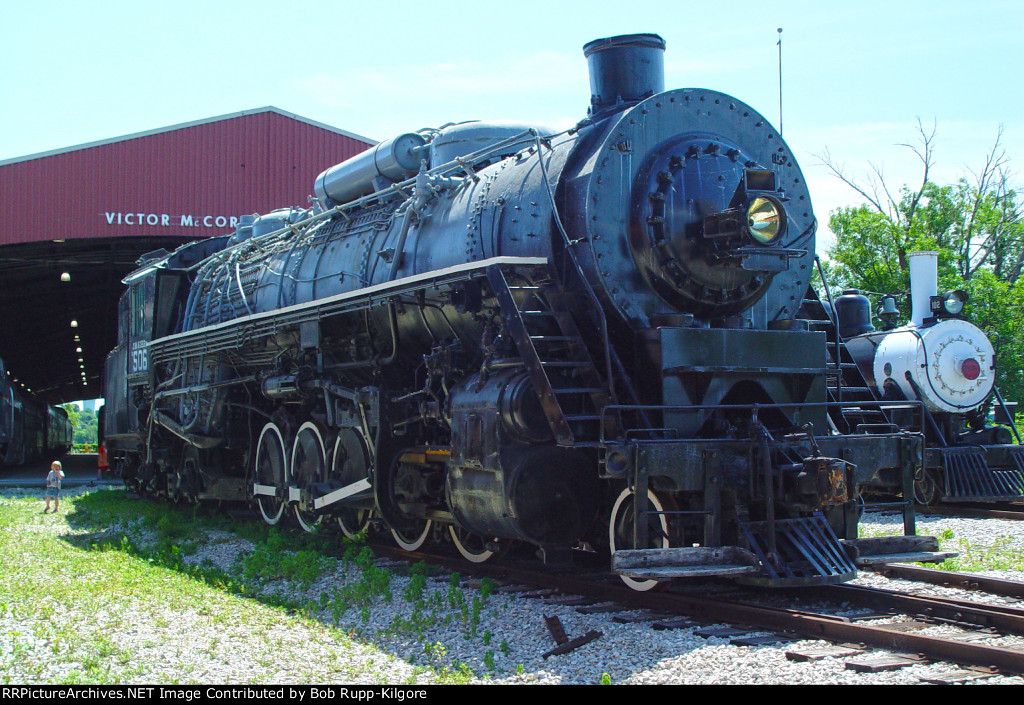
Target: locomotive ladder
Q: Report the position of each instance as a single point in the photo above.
(844, 380)
(570, 387)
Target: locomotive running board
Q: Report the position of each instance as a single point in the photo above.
(227, 335)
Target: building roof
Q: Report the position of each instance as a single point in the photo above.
(184, 125)
(91, 210)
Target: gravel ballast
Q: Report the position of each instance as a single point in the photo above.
(414, 631)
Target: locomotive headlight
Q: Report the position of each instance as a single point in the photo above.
(765, 220)
(954, 302)
(949, 304)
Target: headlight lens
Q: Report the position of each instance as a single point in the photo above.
(954, 302)
(764, 220)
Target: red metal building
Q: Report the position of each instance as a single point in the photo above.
(74, 221)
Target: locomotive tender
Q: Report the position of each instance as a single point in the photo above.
(499, 335)
(29, 430)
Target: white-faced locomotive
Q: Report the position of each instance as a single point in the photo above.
(493, 334)
(949, 365)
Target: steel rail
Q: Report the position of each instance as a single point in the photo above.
(964, 581)
(960, 510)
(1007, 619)
(809, 624)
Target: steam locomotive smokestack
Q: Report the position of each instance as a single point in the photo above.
(924, 284)
(624, 70)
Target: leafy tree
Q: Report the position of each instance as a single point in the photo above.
(72, 412)
(976, 226)
(87, 429)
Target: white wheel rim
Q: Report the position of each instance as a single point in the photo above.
(306, 428)
(415, 544)
(274, 516)
(364, 515)
(465, 552)
(638, 585)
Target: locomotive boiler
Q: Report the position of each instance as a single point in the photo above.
(497, 335)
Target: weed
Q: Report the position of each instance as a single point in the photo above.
(414, 590)
(1001, 554)
(272, 560)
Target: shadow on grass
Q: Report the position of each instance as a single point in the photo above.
(281, 568)
(428, 606)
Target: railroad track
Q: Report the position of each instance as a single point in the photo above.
(1003, 510)
(963, 581)
(980, 640)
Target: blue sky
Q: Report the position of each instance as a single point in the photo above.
(857, 76)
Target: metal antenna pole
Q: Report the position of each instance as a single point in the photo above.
(780, 81)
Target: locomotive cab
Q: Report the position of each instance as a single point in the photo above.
(151, 308)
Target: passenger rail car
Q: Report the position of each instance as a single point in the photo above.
(497, 334)
(29, 430)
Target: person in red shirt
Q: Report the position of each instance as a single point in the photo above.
(102, 466)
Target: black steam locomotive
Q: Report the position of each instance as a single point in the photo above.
(597, 339)
(29, 430)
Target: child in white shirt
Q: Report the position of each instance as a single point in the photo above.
(53, 479)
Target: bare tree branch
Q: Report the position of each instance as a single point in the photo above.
(924, 153)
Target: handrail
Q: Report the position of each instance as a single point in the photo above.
(833, 317)
(596, 303)
(910, 404)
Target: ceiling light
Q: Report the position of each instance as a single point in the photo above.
(74, 323)
(65, 277)
(78, 349)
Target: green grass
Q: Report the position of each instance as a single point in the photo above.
(998, 554)
(75, 581)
